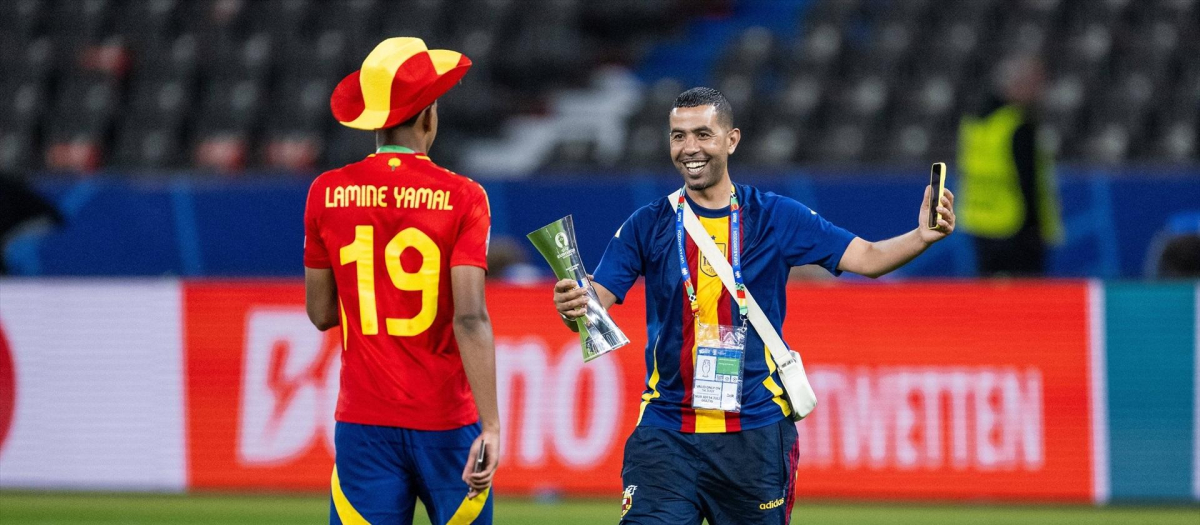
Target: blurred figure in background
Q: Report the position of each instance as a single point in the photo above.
(395, 249)
(22, 211)
(1010, 203)
(1175, 250)
(1180, 258)
(509, 262)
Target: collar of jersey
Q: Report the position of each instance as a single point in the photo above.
(708, 213)
(393, 149)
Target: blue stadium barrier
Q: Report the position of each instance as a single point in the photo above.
(204, 227)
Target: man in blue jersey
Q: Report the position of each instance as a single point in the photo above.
(689, 460)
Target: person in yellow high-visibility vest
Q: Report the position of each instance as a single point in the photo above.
(1009, 199)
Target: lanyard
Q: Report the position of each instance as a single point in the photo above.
(735, 240)
(393, 149)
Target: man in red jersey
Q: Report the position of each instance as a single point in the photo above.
(395, 249)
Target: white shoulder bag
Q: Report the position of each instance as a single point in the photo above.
(791, 370)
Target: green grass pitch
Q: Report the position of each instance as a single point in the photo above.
(52, 508)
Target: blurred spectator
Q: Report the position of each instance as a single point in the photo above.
(507, 260)
(1009, 199)
(22, 211)
(1180, 258)
(1174, 251)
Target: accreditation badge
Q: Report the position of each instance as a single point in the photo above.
(719, 370)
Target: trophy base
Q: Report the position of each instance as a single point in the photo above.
(592, 353)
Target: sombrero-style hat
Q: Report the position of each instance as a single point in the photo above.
(398, 79)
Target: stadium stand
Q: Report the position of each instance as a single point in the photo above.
(233, 85)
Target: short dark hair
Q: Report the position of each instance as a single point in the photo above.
(706, 96)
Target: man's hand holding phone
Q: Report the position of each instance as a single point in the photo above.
(482, 462)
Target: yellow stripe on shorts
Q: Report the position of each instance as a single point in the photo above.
(470, 509)
(346, 512)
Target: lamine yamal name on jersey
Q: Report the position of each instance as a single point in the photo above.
(370, 196)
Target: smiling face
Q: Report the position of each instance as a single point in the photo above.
(701, 145)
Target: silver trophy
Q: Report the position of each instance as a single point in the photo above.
(598, 334)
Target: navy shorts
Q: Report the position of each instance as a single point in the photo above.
(745, 477)
(380, 472)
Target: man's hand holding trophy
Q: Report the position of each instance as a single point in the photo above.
(598, 334)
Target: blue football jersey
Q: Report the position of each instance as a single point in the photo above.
(777, 233)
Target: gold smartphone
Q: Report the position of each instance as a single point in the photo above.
(937, 181)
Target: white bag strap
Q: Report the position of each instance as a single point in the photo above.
(791, 368)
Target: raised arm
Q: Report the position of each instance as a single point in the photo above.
(473, 332)
(875, 259)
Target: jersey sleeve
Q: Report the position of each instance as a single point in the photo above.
(475, 230)
(810, 239)
(315, 254)
(621, 263)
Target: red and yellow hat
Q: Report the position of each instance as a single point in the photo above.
(398, 79)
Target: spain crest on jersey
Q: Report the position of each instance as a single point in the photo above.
(627, 499)
(706, 267)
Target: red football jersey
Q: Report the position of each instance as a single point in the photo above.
(390, 227)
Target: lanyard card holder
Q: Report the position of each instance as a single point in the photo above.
(720, 367)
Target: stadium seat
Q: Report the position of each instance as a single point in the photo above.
(323, 56)
(292, 151)
(862, 98)
(543, 50)
(229, 57)
(474, 105)
(572, 154)
(75, 24)
(24, 105)
(621, 18)
(18, 148)
(222, 150)
(148, 144)
(1106, 144)
(800, 98)
(655, 103)
(299, 104)
(157, 99)
(1177, 142)
(80, 153)
(774, 145)
(841, 143)
(927, 98)
(22, 19)
(749, 55)
(177, 58)
(279, 17)
(1061, 106)
(833, 12)
(347, 16)
(148, 23)
(742, 92)
(906, 143)
(85, 96)
(232, 103)
(419, 18)
(814, 55)
(890, 44)
(948, 54)
(646, 146)
(34, 61)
